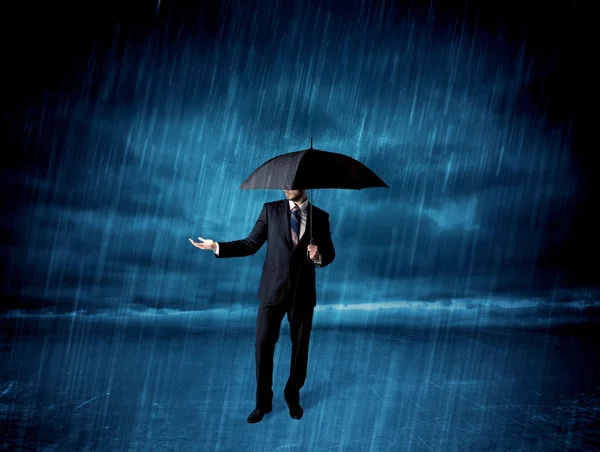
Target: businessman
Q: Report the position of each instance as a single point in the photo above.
(287, 286)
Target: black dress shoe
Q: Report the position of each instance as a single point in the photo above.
(257, 415)
(295, 410)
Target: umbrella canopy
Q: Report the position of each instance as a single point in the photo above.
(312, 168)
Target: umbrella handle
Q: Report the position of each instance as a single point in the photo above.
(312, 240)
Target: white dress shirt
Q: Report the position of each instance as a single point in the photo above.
(303, 216)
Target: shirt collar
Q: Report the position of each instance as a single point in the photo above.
(302, 206)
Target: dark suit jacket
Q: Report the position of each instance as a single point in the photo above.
(287, 272)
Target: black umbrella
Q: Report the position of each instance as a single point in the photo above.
(312, 168)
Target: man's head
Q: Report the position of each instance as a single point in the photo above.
(298, 196)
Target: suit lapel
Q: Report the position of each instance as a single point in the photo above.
(285, 221)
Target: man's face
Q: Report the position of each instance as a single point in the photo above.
(294, 195)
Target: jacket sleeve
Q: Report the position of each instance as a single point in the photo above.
(326, 249)
(249, 245)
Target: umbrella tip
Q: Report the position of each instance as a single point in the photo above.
(311, 142)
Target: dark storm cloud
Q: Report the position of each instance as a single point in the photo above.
(157, 153)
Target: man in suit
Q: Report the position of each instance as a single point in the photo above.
(287, 286)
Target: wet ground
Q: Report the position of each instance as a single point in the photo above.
(148, 384)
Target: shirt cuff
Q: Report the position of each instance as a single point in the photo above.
(319, 260)
(217, 250)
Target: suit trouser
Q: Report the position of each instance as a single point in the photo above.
(268, 323)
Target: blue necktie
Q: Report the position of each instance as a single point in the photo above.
(295, 223)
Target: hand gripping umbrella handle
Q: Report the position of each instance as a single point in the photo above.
(312, 242)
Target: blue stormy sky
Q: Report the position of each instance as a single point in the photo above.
(149, 143)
